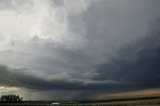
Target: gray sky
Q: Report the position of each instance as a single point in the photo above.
(52, 47)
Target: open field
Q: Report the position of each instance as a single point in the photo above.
(148, 101)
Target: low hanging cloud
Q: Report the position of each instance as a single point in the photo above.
(10, 77)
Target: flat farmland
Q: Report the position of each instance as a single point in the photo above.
(114, 102)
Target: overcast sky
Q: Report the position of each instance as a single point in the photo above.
(84, 49)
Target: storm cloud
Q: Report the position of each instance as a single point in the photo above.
(10, 77)
(79, 46)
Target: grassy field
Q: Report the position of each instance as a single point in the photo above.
(149, 101)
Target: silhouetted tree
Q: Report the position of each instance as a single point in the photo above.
(11, 98)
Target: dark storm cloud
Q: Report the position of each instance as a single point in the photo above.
(137, 62)
(87, 45)
(8, 77)
(121, 36)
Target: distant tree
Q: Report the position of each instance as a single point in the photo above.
(11, 98)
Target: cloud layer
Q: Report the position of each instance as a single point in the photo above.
(79, 46)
